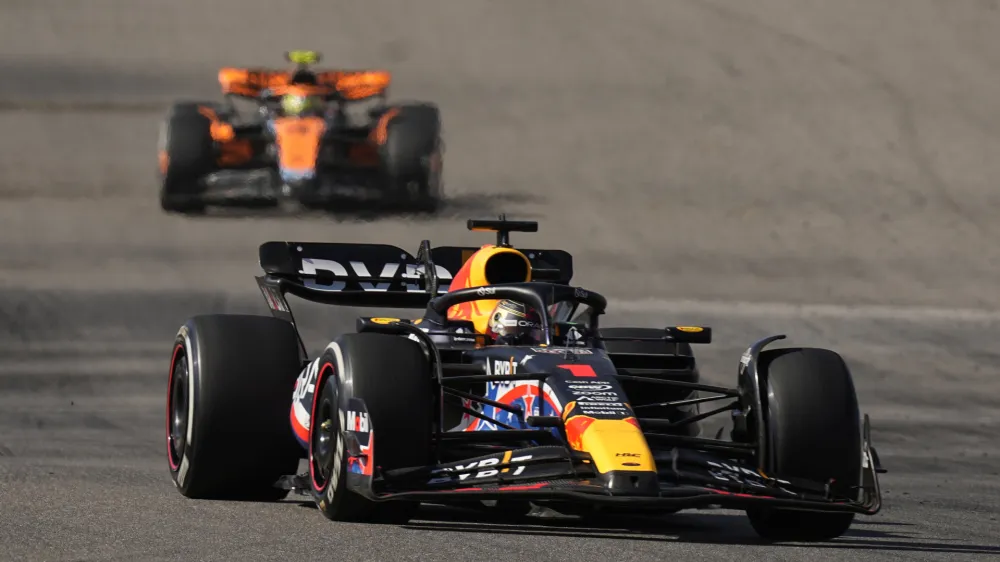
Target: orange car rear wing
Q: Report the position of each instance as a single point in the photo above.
(359, 85)
(247, 82)
(348, 85)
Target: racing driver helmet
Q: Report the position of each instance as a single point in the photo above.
(514, 323)
(297, 105)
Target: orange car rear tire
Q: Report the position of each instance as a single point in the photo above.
(412, 156)
(186, 155)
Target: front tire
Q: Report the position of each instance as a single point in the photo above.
(813, 432)
(392, 376)
(228, 394)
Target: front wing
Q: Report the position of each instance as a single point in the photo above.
(235, 185)
(685, 479)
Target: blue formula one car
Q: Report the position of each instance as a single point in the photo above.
(504, 392)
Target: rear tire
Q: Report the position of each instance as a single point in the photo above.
(392, 376)
(814, 432)
(412, 157)
(230, 438)
(187, 155)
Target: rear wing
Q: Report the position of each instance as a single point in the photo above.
(351, 85)
(378, 275)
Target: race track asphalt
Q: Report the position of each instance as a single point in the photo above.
(822, 169)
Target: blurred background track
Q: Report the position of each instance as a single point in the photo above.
(782, 151)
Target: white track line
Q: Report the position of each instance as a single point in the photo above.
(786, 310)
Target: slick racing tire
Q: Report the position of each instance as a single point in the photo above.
(641, 393)
(187, 154)
(813, 431)
(392, 376)
(228, 397)
(412, 157)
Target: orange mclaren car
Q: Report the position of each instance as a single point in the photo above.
(303, 143)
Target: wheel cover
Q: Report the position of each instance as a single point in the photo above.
(177, 420)
(322, 442)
